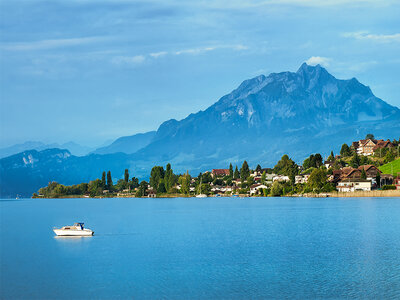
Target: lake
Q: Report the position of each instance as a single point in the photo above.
(191, 248)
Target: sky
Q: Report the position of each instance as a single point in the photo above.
(92, 71)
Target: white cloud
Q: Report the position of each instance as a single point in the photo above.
(365, 35)
(138, 59)
(128, 60)
(238, 47)
(158, 54)
(318, 60)
(48, 44)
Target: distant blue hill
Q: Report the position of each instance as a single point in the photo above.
(265, 117)
(127, 144)
(74, 148)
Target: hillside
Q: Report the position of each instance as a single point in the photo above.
(391, 168)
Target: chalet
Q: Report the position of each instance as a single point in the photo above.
(352, 173)
(370, 170)
(354, 184)
(368, 146)
(256, 187)
(383, 144)
(365, 147)
(219, 172)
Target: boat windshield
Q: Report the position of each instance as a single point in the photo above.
(79, 225)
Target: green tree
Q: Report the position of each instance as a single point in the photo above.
(286, 166)
(236, 174)
(244, 171)
(363, 174)
(317, 160)
(258, 168)
(95, 188)
(230, 171)
(168, 178)
(126, 175)
(317, 179)
(345, 150)
(250, 181)
(103, 179)
(263, 177)
(134, 183)
(157, 173)
(276, 189)
(109, 180)
(369, 136)
(161, 187)
(184, 181)
(331, 157)
(355, 161)
(142, 190)
(378, 180)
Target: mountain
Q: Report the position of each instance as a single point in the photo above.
(127, 144)
(74, 148)
(298, 113)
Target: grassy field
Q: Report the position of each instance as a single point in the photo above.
(391, 168)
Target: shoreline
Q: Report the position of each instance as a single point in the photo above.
(357, 194)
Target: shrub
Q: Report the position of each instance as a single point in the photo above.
(388, 187)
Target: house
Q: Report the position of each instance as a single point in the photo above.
(383, 144)
(351, 173)
(368, 146)
(370, 170)
(237, 181)
(354, 184)
(256, 187)
(219, 172)
(386, 179)
(151, 194)
(280, 178)
(301, 179)
(328, 164)
(397, 182)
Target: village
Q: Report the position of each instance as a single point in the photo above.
(366, 165)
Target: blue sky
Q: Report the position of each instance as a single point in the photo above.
(92, 71)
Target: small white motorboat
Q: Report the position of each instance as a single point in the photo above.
(75, 230)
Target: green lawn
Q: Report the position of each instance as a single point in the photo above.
(391, 168)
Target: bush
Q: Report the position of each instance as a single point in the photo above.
(388, 187)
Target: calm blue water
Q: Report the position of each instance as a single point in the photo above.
(228, 248)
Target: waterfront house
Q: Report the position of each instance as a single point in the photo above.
(254, 189)
(397, 182)
(151, 194)
(386, 179)
(354, 184)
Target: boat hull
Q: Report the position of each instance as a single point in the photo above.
(85, 232)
